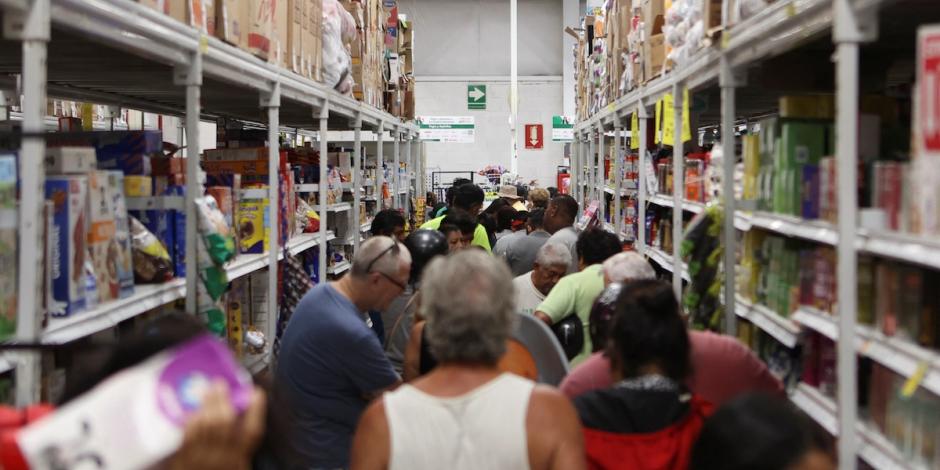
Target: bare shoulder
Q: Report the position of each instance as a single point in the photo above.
(554, 431)
(371, 447)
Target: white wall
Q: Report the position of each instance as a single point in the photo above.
(539, 100)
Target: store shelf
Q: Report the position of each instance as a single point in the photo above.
(667, 201)
(338, 268)
(146, 297)
(789, 226)
(339, 207)
(6, 365)
(901, 247)
(623, 192)
(897, 354)
(366, 227)
(664, 260)
(782, 329)
(874, 448)
(306, 188)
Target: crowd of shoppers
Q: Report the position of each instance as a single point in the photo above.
(460, 372)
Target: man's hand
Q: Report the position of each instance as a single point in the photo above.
(216, 438)
(545, 318)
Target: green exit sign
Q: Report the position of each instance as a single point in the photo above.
(476, 96)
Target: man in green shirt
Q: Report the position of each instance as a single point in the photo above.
(467, 198)
(575, 293)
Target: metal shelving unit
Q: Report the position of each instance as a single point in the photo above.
(121, 53)
(721, 68)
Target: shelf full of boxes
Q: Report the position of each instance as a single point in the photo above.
(263, 88)
(782, 233)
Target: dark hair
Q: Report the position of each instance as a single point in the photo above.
(553, 192)
(756, 431)
(495, 206)
(460, 219)
(467, 195)
(452, 190)
(596, 245)
(385, 222)
(567, 207)
(647, 329)
(536, 218)
(504, 218)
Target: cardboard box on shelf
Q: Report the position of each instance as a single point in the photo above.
(281, 56)
(295, 34)
(119, 250)
(260, 27)
(231, 20)
(313, 39)
(654, 56)
(711, 14)
(69, 160)
(67, 241)
(199, 14)
(101, 233)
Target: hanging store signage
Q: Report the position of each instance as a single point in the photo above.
(476, 96)
(447, 129)
(562, 129)
(533, 137)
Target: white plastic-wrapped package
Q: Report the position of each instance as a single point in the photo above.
(339, 28)
(683, 30)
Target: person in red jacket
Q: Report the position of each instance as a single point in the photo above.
(647, 420)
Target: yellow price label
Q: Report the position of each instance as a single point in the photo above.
(669, 120)
(203, 44)
(610, 107)
(725, 39)
(686, 124)
(88, 117)
(914, 380)
(634, 131)
(791, 10)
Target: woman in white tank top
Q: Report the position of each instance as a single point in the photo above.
(465, 414)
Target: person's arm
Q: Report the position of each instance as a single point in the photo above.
(556, 441)
(480, 238)
(412, 364)
(559, 303)
(216, 438)
(369, 369)
(371, 445)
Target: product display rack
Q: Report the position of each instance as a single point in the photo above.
(784, 26)
(121, 53)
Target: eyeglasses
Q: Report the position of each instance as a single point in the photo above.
(392, 249)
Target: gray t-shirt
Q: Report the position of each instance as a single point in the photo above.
(568, 236)
(329, 360)
(503, 243)
(398, 319)
(521, 253)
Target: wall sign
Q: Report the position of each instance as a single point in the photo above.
(447, 129)
(533, 137)
(562, 129)
(476, 96)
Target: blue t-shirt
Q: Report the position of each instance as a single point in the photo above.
(328, 360)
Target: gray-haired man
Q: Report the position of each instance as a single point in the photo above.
(551, 263)
(331, 364)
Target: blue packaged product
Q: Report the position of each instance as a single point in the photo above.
(67, 238)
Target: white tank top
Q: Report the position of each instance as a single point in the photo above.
(482, 429)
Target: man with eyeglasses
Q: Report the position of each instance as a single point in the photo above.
(330, 363)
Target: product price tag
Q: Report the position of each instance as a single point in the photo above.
(791, 10)
(914, 380)
(634, 131)
(669, 120)
(203, 44)
(686, 125)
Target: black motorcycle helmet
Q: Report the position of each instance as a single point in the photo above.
(602, 313)
(423, 246)
(570, 334)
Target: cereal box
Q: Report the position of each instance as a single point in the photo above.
(119, 251)
(67, 240)
(253, 225)
(101, 234)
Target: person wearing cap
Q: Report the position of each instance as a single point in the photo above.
(511, 194)
(468, 198)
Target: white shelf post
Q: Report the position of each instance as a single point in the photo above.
(324, 217)
(678, 189)
(396, 166)
(600, 177)
(643, 118)
(357, 179)
(380, 167)
(590, 160)
(190, 76)
(32, 27)
(849, 29)
(409, 170)
(618, 175)
(271, 101)
(728, 82)
(573, 165)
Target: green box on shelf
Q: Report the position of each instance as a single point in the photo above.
(801, 143)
